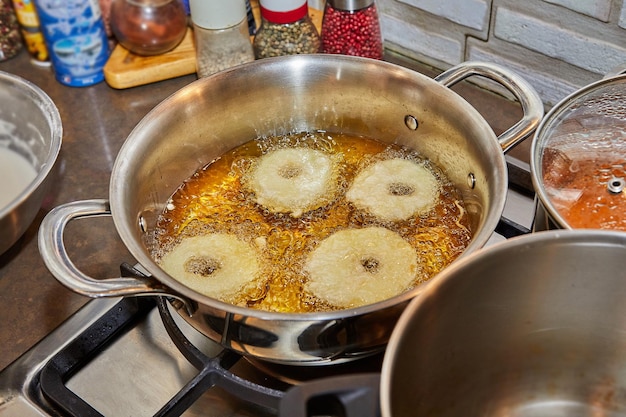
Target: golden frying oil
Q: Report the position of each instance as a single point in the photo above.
(215, 199)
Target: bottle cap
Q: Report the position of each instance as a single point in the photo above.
(283, 11)
(217, 14)
(350, 5)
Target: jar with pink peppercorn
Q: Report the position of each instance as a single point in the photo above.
(351, 27)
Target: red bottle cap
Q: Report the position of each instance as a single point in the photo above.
(277, 11)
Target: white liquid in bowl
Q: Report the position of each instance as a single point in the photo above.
(16, 173)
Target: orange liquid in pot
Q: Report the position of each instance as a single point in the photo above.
(216, 200)
(578, 189)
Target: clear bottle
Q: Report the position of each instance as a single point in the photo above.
(286, 29)
(351, 27)
(221, 35)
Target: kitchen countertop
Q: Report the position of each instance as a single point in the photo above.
(96, 120)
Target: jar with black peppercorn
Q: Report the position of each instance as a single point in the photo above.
(351, 27)
(286, 29)
(10, 37)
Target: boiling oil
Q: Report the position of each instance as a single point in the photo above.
(216, 200)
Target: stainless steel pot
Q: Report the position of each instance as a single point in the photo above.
(533, 326)
(30, 125)
(578, 159)
(277, 96)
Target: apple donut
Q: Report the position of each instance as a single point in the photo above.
(356, 267)
(218, 265)
(394, 189)
(294, 180)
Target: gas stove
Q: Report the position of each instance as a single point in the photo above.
(133, 357)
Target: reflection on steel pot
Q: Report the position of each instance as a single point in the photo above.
(578, 160)
(298, 93)
(30, 140)
(533, 326)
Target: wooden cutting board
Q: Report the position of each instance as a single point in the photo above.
(125, 69)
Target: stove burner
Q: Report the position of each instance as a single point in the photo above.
(341, 390)
(213, 371)
(347, 395)
(298, 375)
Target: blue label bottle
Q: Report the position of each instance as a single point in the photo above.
(76, 39)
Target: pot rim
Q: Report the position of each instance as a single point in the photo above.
(481, 236)
(540, 137)
(54, 118)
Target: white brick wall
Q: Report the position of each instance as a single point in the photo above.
(558, 45)
(549, 38)
(622, 17)
(470, 13)
(428, 44)
(595, 8)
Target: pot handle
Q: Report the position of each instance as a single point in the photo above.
(530, 101)
(56, 258)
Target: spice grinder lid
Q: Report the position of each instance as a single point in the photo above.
(217, 14)
(283, 11)
(350, 5)
(578, 158)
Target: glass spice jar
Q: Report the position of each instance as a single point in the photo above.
(221, 35)
(351, 27)
(10, 37)
(148, 27)
(286, 29)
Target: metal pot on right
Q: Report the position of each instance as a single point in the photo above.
(578, 160)
(532, 326)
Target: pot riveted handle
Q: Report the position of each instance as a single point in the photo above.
(530, 101)
(56, 258)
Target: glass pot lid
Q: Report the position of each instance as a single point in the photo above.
(578, 158)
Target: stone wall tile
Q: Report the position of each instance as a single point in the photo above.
(416, 39)
(598, 9)
(550, 39)
(471, 13)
